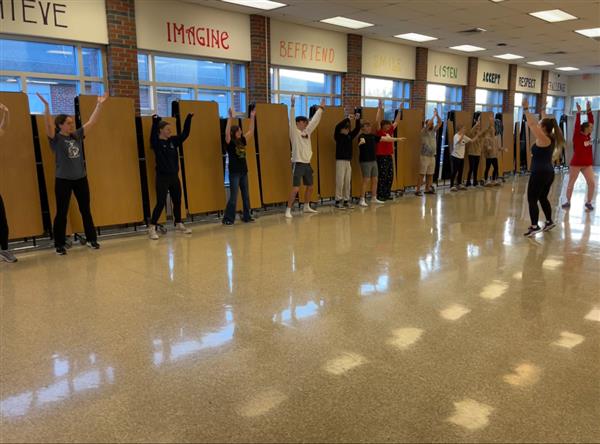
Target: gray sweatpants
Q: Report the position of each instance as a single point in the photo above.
(343, 179)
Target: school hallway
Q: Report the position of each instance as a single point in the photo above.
(422, 320)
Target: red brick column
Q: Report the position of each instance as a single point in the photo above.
(121, 53)
(258, 68)
(508, 102)
(352, 79)
(419, 92)
(540, 107)
(469, 91)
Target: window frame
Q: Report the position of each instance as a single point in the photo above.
(490, 107)
(397, 102)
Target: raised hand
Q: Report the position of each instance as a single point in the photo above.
(293, 100)
(588, 106)
(44, 101)
(357, 116)
(578, 107)
(230, 113)
(351, 116)
(525, 104)
(253, 114)
(323, 102)
(380, 103)
(102, 98)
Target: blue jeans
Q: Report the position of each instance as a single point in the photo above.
(237, 180)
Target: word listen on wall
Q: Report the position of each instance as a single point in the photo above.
(527, 82)
(491, 77)
(306, 52)
(33, 11)
(197, 36)
(445, 72)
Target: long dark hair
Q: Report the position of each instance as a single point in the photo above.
(232, 132)
(550, 125)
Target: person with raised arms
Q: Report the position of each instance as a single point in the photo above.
(385, 154)
(5, 254)
(343, 137)
(428, 153)
(458, 158)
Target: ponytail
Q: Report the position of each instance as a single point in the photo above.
(551, 127)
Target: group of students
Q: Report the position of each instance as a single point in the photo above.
(375, 142)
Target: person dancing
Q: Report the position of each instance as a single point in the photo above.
(5, 254)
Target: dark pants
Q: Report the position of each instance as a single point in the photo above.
(385, 167)
(62, 191)
(473, 169)
(491, 163)
(537, 191)
(167, 183)
(3, 227)
(237, 181)
(457, 171)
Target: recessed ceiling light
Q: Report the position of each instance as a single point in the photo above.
(347, 22)
(591, 32)
(265, 5)
(540, 63)
(496, 1)
(413, 36)
(553, 15)
(508, 56)
(467, 48)
(568, 68)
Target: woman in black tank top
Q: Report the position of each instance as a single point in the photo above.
(547, 137)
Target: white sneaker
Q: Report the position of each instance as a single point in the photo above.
(453, 189)
(308, 209)
(363, 203)
(182, 228)
(377, 201)
(288, 213)
(7, 256)
(152, 234)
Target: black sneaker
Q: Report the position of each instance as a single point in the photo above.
(61, 251)
(227, 222)
(549, 225)
(589, 206)
(532, 231)
(348, 205)
(566, 205)
(338, 205)
(94, 245)
(430, 191)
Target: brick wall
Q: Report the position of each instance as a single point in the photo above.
(508, 105)
(258, 68)
(540, 107)
(419, 92)
(121, 53)
(468, 103)
(352, 79)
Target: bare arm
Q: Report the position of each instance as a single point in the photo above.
(4, 121)
(588, 107)
(439, 121)
(50, 128)
(388, 138)
(541, 139)
(250, 132)
(94, 117)
(292, 116)
(396, 120)
(379, 115)
(228, 127)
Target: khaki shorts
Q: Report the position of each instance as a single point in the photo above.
(427, 165)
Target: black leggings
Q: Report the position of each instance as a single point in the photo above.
(62, 191)
(457, 171)
(473, 169)
(3, 227)
(385, 167)
(537, 191)
(489, 163)
(167, 183)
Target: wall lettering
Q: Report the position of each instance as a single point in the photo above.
(47, 13)
(445, 72)
(491, 77)
(306, 52)
(557, 87)
(527, 82)
(197, 36)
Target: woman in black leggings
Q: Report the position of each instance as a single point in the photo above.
(548, 136)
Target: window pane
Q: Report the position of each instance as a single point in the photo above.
(239, 75)
(60, 94)
(166, 95)
(337, 101)
(10, 83)
(146, 100)
(94, 88)
(221, 97)
(337, 89)
(143, 67)
(436, 93)
(92, 62)
(239, 101)
(302, 81)
(481, 96)
(379, 87)
(196, 72)
(370, 103)
(38, 57)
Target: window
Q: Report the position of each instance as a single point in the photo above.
(165, 79)
(395, 94)
(555, 106)
(57, 71)
(594, 100)
(309, 87)
(444, 98)
(532, 100)
(488, 100)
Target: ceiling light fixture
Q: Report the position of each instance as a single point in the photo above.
(553, 15)
(346, 22)
(508, 56)
(590, 32)
(265, 5)
(467, 48)
(540, 63)
(413, 36)
(568, 68)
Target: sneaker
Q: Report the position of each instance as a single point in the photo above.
(418, 193)
(7, 256)
(461, 187)
(532, 231)
(339, 206)
(488, 183)
(249, 220)
(566, 205)
(288, 213)
(180, 227)
(61, 251)
(93, 245)
(377, 201)
(152, 234)
(308, 209)
(454, 189)
(227, 222)
(498, 183)
(549, 225)
(589, 206)
(363, 203)
(468, 184)
(348, 205)
(430, 191)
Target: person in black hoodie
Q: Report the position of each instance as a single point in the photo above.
(166, 150)
(343, 156)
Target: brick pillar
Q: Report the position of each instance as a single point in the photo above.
(508, 102)
(468, 103)
(540, 107)
(258, 69)
(121, 53)
(352, 79)
(419, 92)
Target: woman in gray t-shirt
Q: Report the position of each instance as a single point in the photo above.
(71, 177)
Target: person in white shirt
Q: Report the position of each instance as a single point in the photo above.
(458, 158)
(300, 130)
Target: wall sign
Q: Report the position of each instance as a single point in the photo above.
(304, 47)
(492, 75)
(446, 68)
(529, 80)
(82, 21)
(557, 84)
(185, 28)
(385, 59)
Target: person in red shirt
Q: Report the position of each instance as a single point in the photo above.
(583, 157)
(385, 155)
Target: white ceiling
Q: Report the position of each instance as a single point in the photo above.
(506, 22)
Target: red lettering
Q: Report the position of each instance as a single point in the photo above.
(312, 48)
(296, 49)
(169, 32)
(224, 37)
(200, 36)
(216, 41)
(331, 55)
(319, 54)
(191, 35)
(304, 48)
(281, 48)
(289, 49)
(178, 30)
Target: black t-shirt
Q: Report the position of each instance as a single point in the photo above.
(367, 149)
(166, 150)
(343, 142)
(237, 156)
